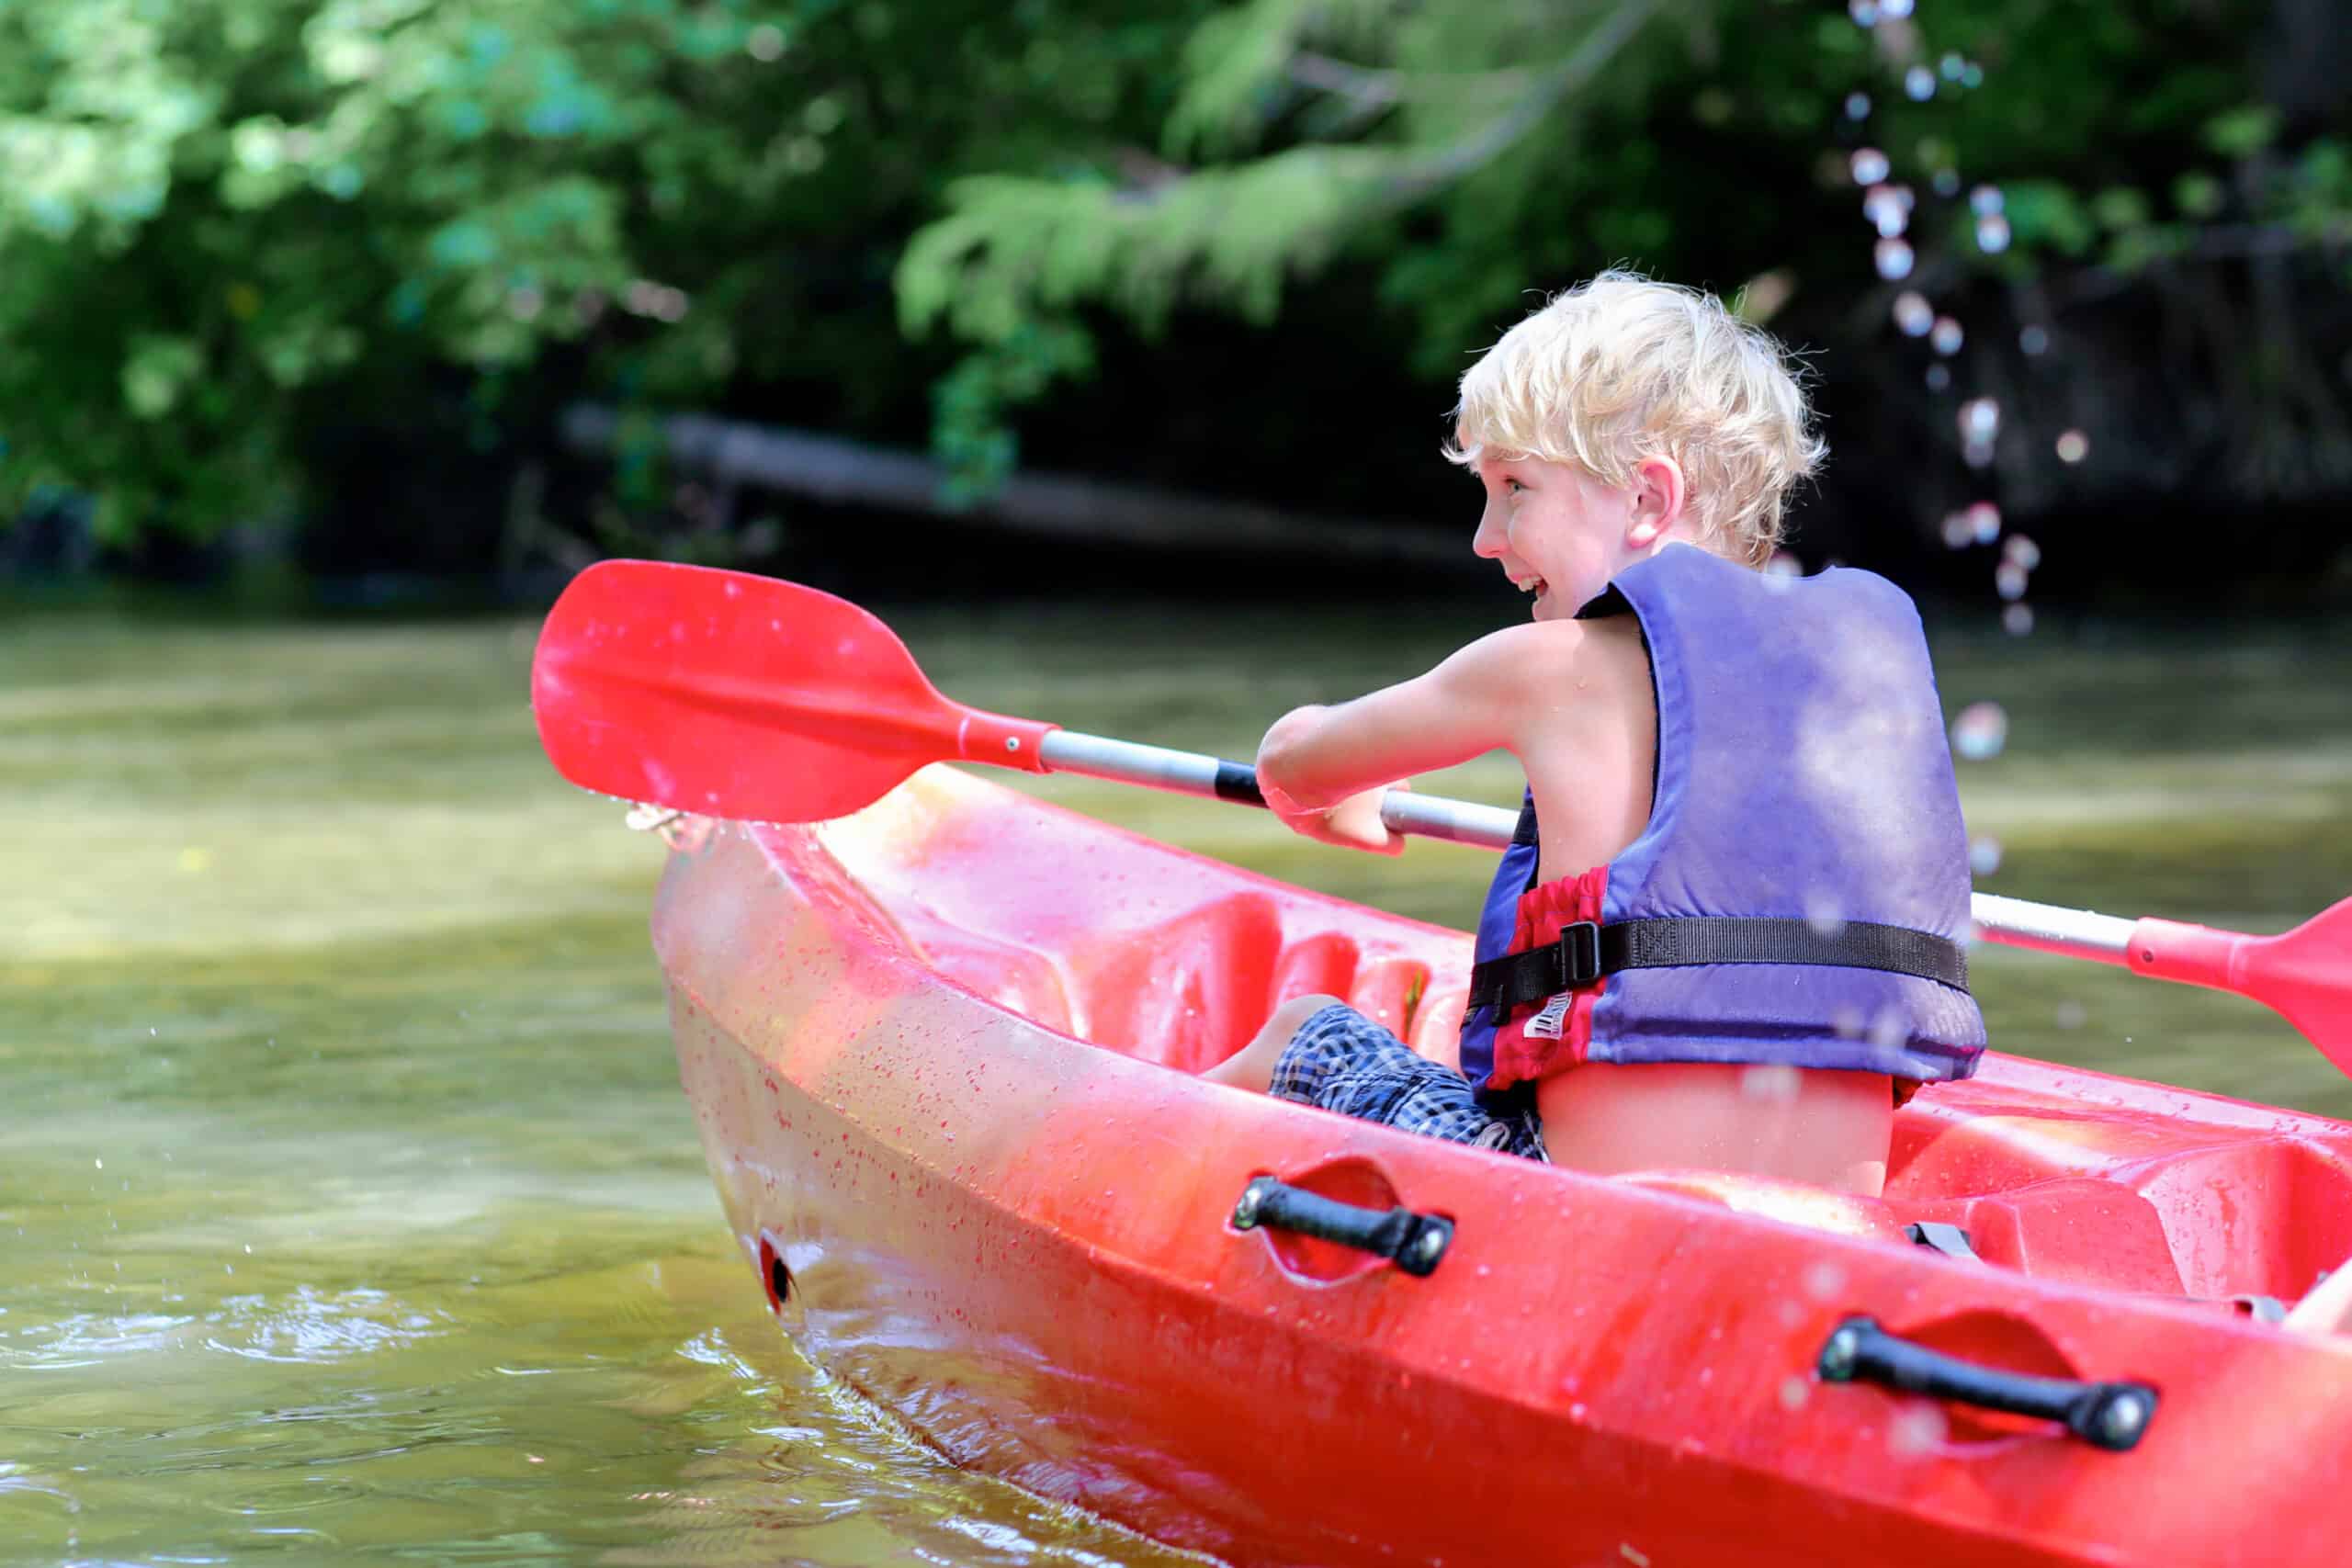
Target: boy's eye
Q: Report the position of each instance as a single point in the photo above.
(1512, 485)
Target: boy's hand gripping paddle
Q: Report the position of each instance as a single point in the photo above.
(726, 694)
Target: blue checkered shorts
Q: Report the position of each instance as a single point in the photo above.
(1342, 1061)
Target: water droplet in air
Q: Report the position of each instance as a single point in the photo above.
(1984, 854)
(1895, 10)
(1952, 65)
(2033, 339)
(1888, 207)
(1939, 377)
(1893, 258)
(1864, 12)
(1857, 105)
(2073, 447)
(1781, 570)
(1959, 533)
(1846, 1021)
(1913, 314)
(2022, 550)
(1869, 166)
(1947, 182)
(2017, 619)
(1918, 84)
(1980, 419)
(1984, 521)
(1946, 335)
(1993, 234)
(1987, 200)
(1824, 914)
(2008, 580)
(1888, 1031)
(1980, 731)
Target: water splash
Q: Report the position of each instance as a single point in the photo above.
(1980, 731)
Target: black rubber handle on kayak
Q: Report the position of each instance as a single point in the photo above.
(2112, 1416)
(1414, 1243)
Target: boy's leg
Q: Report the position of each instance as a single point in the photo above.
(1252, 1066)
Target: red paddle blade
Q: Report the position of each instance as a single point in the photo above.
(727, 694)
(2305, 975)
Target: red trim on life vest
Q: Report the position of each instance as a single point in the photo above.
(1542, 913)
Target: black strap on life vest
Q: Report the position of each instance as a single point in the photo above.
(1585, 952)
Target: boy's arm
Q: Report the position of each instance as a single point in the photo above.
(1315, 761)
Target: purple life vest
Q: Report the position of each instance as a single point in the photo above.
(1802, 775)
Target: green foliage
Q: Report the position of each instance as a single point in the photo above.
(1465, 156)
(231, 225)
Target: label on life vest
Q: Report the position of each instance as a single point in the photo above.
(1546, 1025)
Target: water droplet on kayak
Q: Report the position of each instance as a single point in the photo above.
(1921, 1428)
(1984, 854)
(1846, 1021)
(1980, 731)
(1793, 1393)
(1888, 1031)
(1824, 1279)
(1773, 1083)
(2072, 1015)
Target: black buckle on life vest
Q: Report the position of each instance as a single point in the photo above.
(1579, 954)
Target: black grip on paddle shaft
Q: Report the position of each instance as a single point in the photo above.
(2112, 1416)
(1414, 1243)
(1238, 781)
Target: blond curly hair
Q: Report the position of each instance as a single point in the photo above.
(1622, 368)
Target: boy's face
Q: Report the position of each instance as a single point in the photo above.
(1557, 533)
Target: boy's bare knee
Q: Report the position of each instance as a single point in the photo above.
(1297, 1010)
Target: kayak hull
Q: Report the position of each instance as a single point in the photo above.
(941, 1054)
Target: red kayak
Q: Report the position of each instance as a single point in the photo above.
(941, 1054)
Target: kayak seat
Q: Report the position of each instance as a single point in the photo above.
(1190, 991)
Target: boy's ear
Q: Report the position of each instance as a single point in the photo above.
(1657, 494)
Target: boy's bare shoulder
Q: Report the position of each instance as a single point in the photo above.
(1536, 653)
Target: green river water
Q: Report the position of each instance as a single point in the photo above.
(349, 1209)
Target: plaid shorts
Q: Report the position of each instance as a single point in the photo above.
(1342, 1061)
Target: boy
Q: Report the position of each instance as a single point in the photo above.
(1729, 934)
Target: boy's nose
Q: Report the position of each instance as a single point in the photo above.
(1488, 540)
